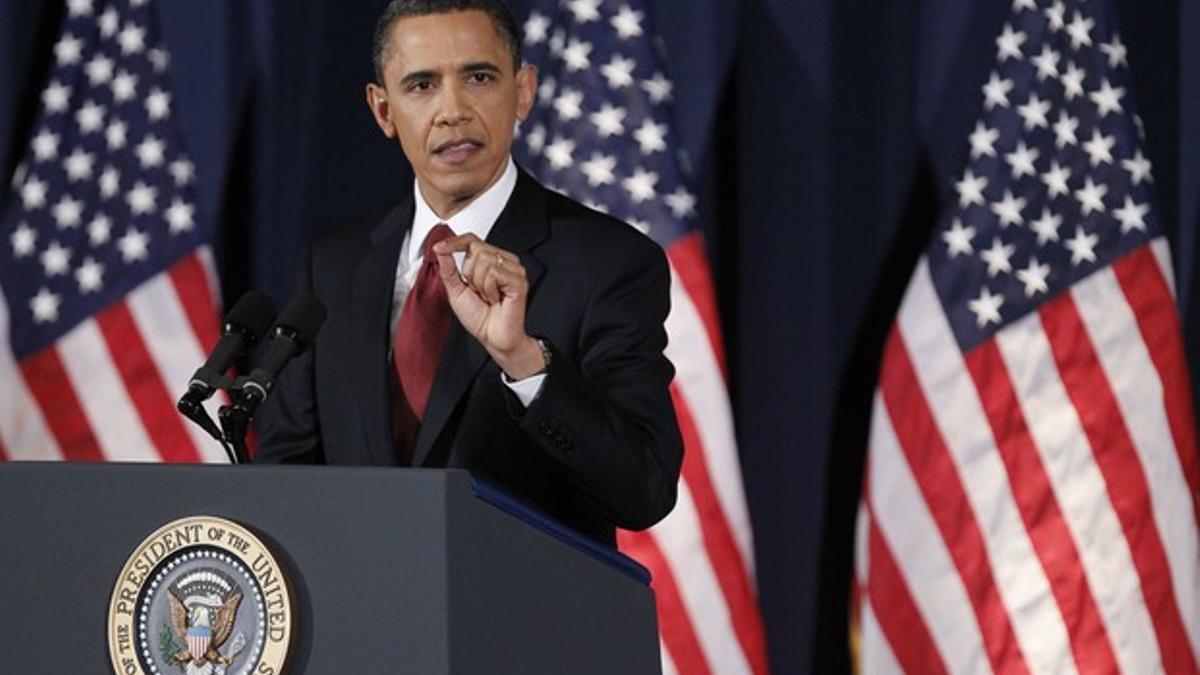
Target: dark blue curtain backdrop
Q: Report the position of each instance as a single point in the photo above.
(823, 136)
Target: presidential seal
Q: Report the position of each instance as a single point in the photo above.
(201, 596)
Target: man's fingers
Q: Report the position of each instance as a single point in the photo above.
(490, 287)
(507, 281)
(488, 271)
(449, 273)
(482, 260)
(462, 242)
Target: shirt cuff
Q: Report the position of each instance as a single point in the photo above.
(526, 389)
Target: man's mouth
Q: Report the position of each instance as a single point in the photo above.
(457, 151)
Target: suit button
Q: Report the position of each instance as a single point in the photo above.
(563, 444)
(544, 427)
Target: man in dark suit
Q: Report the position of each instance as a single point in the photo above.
(549, 377)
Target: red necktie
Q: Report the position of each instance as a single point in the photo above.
(417, 345)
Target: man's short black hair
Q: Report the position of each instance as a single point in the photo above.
(497, 11)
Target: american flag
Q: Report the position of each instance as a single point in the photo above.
(108, 292)
(601, 133)
(1030, 493)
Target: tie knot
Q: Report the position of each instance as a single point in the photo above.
(438, 233)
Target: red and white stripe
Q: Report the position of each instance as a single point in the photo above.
(701, 556)
(106, 390)
(1030, 506)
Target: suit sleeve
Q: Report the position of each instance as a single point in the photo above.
(607, 417)
(287, 423)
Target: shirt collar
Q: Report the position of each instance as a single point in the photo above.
(477, 218)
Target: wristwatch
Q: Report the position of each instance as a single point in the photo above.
(547, 354)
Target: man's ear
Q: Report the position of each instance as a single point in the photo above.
(527, 77)
(377, 101)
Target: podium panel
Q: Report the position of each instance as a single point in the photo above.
(391, 570)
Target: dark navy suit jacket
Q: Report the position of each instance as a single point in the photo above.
(599, 447)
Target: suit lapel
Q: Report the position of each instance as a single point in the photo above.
(519, 229)
(369, 357)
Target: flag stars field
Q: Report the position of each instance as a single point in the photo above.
(536, 29)
(627, 22)
(134, 245)
(1046, 62)
(651, 137)
(1055, 179)
(658, 88)
(1138, 167)
(983, 141)
(33, 194)
(108, 22)
(90, 276)
(1021, 160)
(182, 171)
(609, 120)
(1034, 277)
(970, 189)
(90, 117)
(996, 92)
(1008, 45)
(1046, 227)
(997, 257)
(99, 230)
(23, 240)
(78, 8)
(618, 71)
(124, 86)
(1080, 30)
(1091, 197)
(45, 146)
(1115, 51)
(68, 50)
(142, 199)
(1072, 81)
(45, 306)
(116, 135)
(1009, 209)
(1099, 148)
(987, 307)
(99, 70)
(56, 259)
(1056, 16)
(56, 97)
(958, 239)
(1033, 112)
(1064, 130)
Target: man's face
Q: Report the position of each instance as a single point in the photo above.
(452, 97)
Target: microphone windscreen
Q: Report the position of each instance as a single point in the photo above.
(304, 315)
(254, 312)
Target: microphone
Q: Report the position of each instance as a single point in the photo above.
(244, 324)
(293, 333)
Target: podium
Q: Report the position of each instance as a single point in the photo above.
(391, 570)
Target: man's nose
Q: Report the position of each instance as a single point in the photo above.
(452, 106)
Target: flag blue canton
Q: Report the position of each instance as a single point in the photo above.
(102, 200)
(599, 130)
(1056, 186)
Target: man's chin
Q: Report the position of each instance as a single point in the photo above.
(453, 190)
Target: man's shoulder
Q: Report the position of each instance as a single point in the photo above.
(354, 233)
(590, 227)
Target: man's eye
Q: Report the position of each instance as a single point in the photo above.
(423, 85)
(480, 78)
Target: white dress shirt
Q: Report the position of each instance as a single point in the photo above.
(477, 218)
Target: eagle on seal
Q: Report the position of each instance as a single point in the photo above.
(197, 629)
